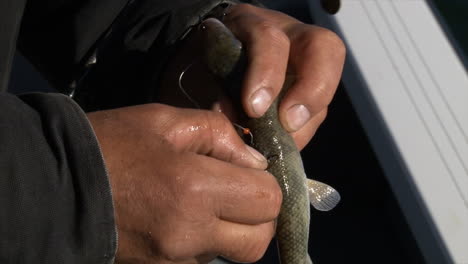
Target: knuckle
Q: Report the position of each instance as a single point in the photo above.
(187, 188)
(271, 195)
(252, 246)
(275, 35)
(253, 256)
(322, 95)
(322, 39)
(276, 200)
(219, 125)
(216, 120)
(256, 250)
(333, 41)
(171, 249)
(193, 188)
(168, 253)
(166, 245)
(196, 198)
(221, 118)
(178, 244)
(243, 8)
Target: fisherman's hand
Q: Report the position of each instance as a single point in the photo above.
(185, 186)
(278, 44)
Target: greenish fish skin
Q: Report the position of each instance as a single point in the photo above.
(223, 51)
(285, 164)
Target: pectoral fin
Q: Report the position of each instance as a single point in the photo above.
(322, 196)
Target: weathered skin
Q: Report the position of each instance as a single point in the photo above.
(270, 138)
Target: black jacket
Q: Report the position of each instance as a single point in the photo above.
(55, 198)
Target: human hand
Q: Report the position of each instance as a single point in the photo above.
(277, 45)
(185, 186)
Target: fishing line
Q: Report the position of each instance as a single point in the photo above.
(182, 88)
(245, 130)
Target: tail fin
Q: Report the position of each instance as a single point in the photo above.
(322, 196)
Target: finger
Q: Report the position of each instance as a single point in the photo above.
(316, 58)
(212, 134)
(205, 258)
(243, 243)
(223, 142)
(241, 195)
(277, 18)
(267, 49)
(224, 105)
(305, 134)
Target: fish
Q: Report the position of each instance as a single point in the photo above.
(224, 56)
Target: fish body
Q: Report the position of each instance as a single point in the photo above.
(224, 57)
(285, 164)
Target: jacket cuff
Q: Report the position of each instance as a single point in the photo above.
(56, 184)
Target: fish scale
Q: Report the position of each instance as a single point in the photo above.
(285, 165)
(224, 56)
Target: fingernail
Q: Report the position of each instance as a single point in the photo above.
(260, 101)
(297, 116)
(257, 155)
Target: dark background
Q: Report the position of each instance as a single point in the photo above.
(368, 225)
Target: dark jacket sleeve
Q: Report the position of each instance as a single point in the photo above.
(130, 41)
(55, 198)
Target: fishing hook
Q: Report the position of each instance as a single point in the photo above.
(245, 131)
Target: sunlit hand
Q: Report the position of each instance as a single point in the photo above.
(278, 44)
(185, 187)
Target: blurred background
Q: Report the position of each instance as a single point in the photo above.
(368, 225)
